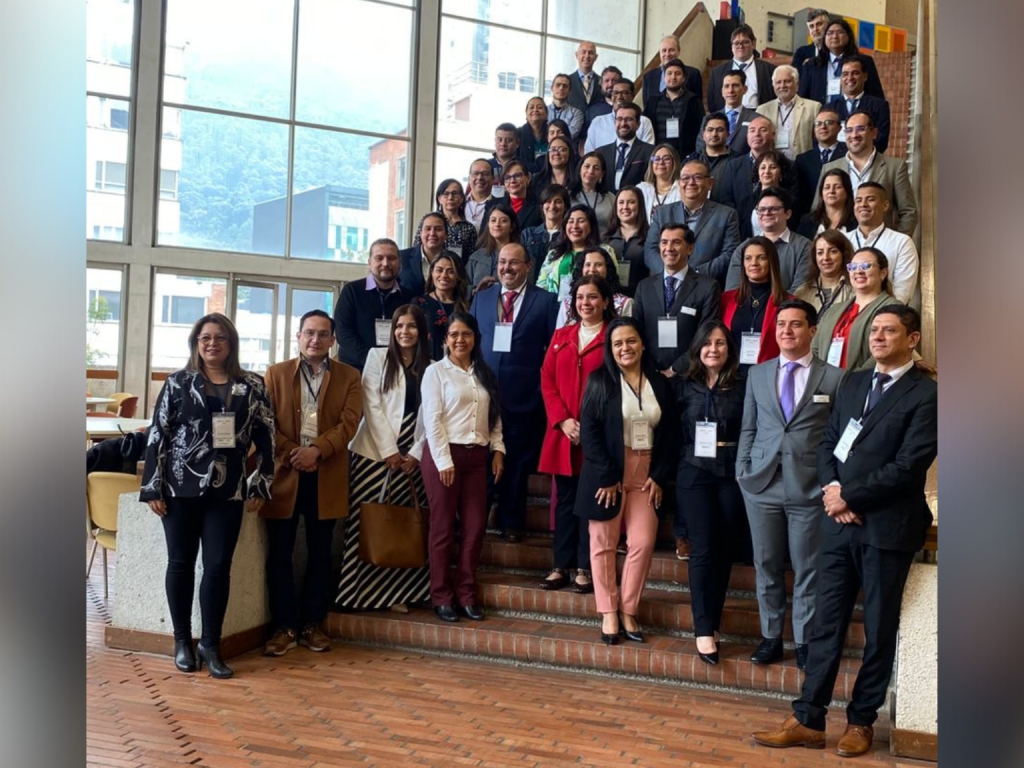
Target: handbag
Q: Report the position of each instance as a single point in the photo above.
(392, 536)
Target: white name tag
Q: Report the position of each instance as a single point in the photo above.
(224, 430)
(502, 337)
(640, 434)
(835, 351)
(842, 133)
(842, 449)
(382, 332)
(668, 333)
(705, 441)
(691, 311)
(822, 399)
(497, 191)
(672, 128)
(309, 422)
(750, 348)
(782, 138)
(834, 86)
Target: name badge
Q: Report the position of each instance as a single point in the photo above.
(309, 421)
(640, 434)
(502, 337)
(668, 333)
(672, 128)
(224, 430)
(750, 348)
(382, 332)
(842, 449)
(782, 138)
(497, 191)
(691, 311)
(842, 133)
(705, 440)
(623, 270)
(835, 351)
(822, 399)
(834, 88)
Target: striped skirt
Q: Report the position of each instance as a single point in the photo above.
(364, 586)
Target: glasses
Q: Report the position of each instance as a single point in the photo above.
(824, 123)
(863, 266)
(695, 178)
(856, 129)
(220, 338)
(514, 176)
(452, 193)
(629, 119)
(557, 151)
(321, 335)
(513, 263)
(835, 33)
(662, 160)
(480, 174)
(768, 210)
(741, 43)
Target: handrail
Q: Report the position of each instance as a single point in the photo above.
(684, 25)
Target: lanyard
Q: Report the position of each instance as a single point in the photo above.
(383, 307)
(639, 392)
(873, 242)
(225, 404)
(309, 384)
(827, 302)
(782, 120)
(586, 199)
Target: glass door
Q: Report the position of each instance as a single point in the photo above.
(255, 308)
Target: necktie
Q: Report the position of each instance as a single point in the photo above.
(733, 113)
(824, 156)
(787, 396)
(621, 162)
(740, 65)
(586, 85)
(851, 106)
(670, 292)
(881, 379)
(509, 298)
(837, 67)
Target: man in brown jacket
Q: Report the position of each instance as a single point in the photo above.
(317, 404)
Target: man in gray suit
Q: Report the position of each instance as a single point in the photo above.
(774, 209)
(785, 413)
(715, 226)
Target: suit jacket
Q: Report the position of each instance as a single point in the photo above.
(518, 371)
(604, 453)
(576, 95)
(737, 190)
(383, 412)
(858, 343)
(637, 160)
(692, 81)
(717, 231)
(339, 408)
(874, 106)
(698, 299)
(807, 169)
(891, 173)
(768, 442)
(765, 92)
(814, 80)
(411, 276)
(802, 54)
(883, 477)
(800, 123)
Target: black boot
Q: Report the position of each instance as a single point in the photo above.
(184, 656)
(210, 655)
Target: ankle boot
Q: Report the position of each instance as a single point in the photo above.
(184, 656)
(210, 655)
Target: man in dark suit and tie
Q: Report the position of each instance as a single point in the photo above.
(852, 80)
(737, 187)
(817, 20)
(627, 158)
(416, 261)
(807, 166)
(516, 321)
(872, 464)
(758, 72)
(654, 80)
(737, 116)
(584, 84)
(785, 412)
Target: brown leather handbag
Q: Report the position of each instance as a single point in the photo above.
(391, 536)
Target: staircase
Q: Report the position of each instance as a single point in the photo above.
(526, 625)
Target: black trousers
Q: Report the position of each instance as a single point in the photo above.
(719, 535)
(844, 567)
(311, 607)
(522, 434)
(572, 533)
(215, 524)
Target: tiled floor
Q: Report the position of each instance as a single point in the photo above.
(359, 706)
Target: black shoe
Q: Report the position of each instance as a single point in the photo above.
(560, 580)
(584, 588)
(801, 656)
(768, 652)
(636, 635)
(184, 656)
(610, 639)
(210, 655)
(473, 612)
(512, 536)
(709, 658)
(446, 613)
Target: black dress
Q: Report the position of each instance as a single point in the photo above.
(437, 314)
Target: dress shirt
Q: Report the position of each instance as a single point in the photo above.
(602, 131)
(651, 199)
(517, 302)
(315, 379)
(782, 238)
(475, 211)
(750, 97)
(895, 376)
(567, 112)
(831, 70)
(799, 376)
(859, 177)
(830, 149)
(677, 276)
(454, 412)
(631, 410)
(901, 252)
(629, 148)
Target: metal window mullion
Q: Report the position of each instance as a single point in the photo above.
(420, 167)
(543, 47)
(289, 189)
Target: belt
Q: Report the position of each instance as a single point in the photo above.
(640, 451)
(726, 445)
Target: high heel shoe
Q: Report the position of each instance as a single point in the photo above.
(210, 655)
(609, 638)
(184, 656)
(711, 657)
(636, 635)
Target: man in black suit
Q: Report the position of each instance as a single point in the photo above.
(584, 84)
(807, 166)
(817, 20)
(737, 185)
(738, 117)
(852, 80)
(626, 159)
(872, 462)
(654, 80)
(676, 113)
(758, 72)
(610, 75)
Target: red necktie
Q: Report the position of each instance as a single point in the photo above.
(510, 300)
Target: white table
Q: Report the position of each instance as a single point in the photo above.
(100, 428)
(92, 403)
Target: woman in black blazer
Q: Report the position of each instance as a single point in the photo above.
(711, 396)
(840, 42)
(629, 431)
(195, 478)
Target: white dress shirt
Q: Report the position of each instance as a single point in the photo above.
(895, 376)
(651, 200)
(901, 252)
(750, 97)
(517, 302)
(631, 410)
(602, 131)
(475, 211)
(799, 376)
(454, 412)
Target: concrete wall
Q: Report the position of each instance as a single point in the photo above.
(917, 656)
(903, 14)
(662, 19)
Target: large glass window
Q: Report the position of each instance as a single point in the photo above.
(103, 314)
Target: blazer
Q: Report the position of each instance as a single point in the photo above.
(637, 160)
(518, 371)
(874, 106)
(769, 344)
(339, 408)
(883, 477)
(698, 299)
(576, 95)
(814, 80)
(802, 54)
(604, 452)
(858, 343)
(562, 379)
(181, 461)
(768, 443)
(737, 190)
(692, 81)
(377, 436)
(411, 276)
(737, 141)
(765, 91)
(794, 261)
(800, 123)
(891, 173)
(807, 171)
(717, 231)
(725, 409)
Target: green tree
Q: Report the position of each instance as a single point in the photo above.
(97, 312)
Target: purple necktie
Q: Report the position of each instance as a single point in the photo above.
(788, 389)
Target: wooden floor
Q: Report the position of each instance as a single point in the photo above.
(357, 706)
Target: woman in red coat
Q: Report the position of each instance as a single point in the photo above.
(750, 310)
(574, 352)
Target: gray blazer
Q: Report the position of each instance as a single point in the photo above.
(768, 442)
(891, 173)
(717, 231)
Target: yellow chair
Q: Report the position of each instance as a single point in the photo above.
(102, 490)
(118, 398)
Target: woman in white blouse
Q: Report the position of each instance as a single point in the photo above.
(462, 422)
(659, 185)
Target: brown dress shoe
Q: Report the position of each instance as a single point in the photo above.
(793, 733)
(280, 643)
(856, 741)
(314, 639)
(682, 549)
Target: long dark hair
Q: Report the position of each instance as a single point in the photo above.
(641, 222)
(481, 370)
(778, 290)
(461, 294)
(563, 245)
(836, 239)
(602, 186)
(484, 239)
(787, 175)
(443, 187)
(545, 175)
(822, 59)
(697, 371)
(602, 287)
(609, 266)
(393, 359)
(603, 383)
(232, 366)
(819, 215)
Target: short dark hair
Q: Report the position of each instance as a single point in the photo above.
(633, 107)
(316, 313)
(746, 30)
(828, 108)
(626, 81)
(688, 235)
(736, 73)
(507, 127)
(562, 75)
(871, 122)
(611, 68)
(804, 306)
(874, 185)
(854, 58)
(909, 316)
(720, 116)
(677, 62)
(779, 192)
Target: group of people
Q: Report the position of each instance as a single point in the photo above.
(634, 318)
